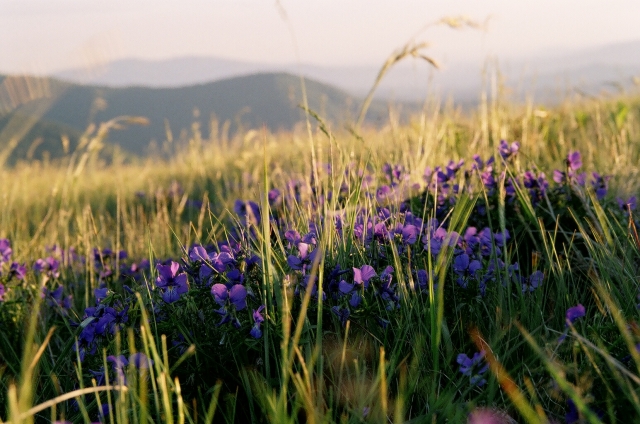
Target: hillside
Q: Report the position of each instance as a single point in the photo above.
(39, 139)
(247, 102)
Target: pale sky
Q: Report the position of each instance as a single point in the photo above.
(48, 35)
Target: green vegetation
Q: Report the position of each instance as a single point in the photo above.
(558, 334)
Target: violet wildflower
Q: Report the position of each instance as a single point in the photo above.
(409, 233)
(198, 253)
(293, 237)
(56, 299)
(2, 292)
(17, 271)
(536, 185)
(140, 361)
(112, 320)
(5, 251)
(386, 290)
(437, 239)
(118, 363)
(383, 193)
(574, 313)
(304, 259)
(469, 241)
(181, 343)
(49, 267)
(248, 212)
(172, 284)
(222, 261)
(423, 278)
(574, 161)
(104, 410)
(275, 198)
(225, 297)
(628, 205)
(465, 268)
(350, 288)
(99, 376)
(362, 275)
(600, 185)
(342, 313)
(507, 151)
(473, 367)
(572, 415)
(258, 319)
(236, 295)
(533, 282)
(559, 177)
(101, 294)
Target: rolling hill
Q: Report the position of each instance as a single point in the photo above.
(248, 101)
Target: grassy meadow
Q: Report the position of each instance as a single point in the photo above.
(331, 274)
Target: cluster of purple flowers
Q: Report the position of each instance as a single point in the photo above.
(392, 241)
(100, 321)
(15, 271)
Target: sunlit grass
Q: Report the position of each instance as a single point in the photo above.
(311, 368)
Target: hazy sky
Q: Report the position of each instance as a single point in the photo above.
(46, 35)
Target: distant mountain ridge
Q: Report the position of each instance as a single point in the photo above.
(589, 69)
(250, 101)
(170, 73)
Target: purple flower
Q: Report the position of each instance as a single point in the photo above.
(473, 367)
(275, 197)
(221, 261)
(361, 276)
(574, 313)
(559, 176)
(236, 295)
(118, 363)
(225, 297)
(600, 185)
(435, 240)
(140, 361)
(386, 289)
(49, 267)
(55, 299)
(5, 251)
(342, 313)
(422, 276)
(2, 292)
(101, 294)
(465, 268)
(112, 320)
(258, 319)
(171, 284)
(104, 410)
(305, 258)
(248, 212)
(383, 193)
(486, 416)
(198, 253)
(409, 234)
(17, 271)
(574, 161)
(293, 237)
(537, 186)
(533, 282)
(628, 205)
(346, 288)
(508, 151)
